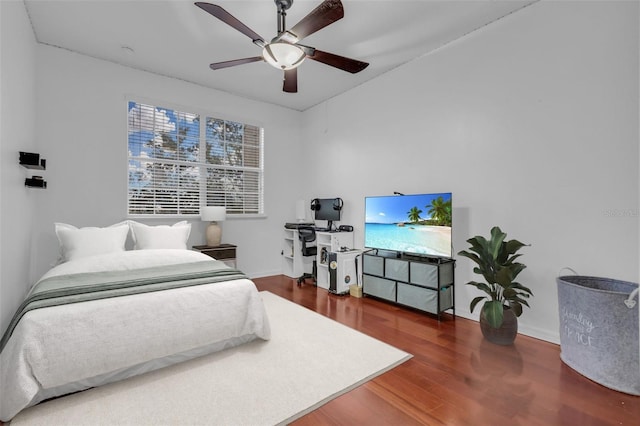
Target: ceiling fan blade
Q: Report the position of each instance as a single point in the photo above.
(328, 12)
(233, 63)
(230, 20)
(346, 64)
(291, 81)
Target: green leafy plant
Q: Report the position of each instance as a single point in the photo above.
(496, 263)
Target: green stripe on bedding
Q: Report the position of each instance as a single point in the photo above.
(75, 288)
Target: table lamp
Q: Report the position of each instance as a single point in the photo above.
(213, 214)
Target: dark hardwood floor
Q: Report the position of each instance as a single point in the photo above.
(455, 377)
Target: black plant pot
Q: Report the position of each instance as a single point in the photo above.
(506, 333)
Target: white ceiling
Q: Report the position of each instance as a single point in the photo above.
(177, 39)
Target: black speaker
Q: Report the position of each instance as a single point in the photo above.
(29, 158)
(345, 228)
(35, 182)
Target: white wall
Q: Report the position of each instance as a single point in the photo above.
(17, 133)
(531, 122)
(82, 112)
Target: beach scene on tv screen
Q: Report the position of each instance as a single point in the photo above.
(418, 224)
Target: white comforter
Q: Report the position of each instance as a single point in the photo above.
(61, 349)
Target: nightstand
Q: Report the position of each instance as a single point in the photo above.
(224, 252)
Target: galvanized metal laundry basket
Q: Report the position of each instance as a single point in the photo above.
(599, 330)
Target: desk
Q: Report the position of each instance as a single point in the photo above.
(294, 264)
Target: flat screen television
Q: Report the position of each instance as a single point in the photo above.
(328, 209)
(417, 224)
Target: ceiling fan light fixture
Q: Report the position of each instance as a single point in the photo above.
(284, 56)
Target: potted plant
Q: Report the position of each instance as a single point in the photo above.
(496, 263)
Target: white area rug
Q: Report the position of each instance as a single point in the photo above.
(309, 360)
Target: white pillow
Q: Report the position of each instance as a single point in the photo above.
(76, 243)
(160, 237)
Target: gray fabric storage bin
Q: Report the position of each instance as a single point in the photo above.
(427, 274)
(599, 332)
(397, 269)
(424, 298)
(424, 274)
(373, 265)
(379, 287)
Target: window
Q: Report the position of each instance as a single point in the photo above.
(179, 161)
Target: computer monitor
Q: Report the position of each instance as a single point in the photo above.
(327, 209)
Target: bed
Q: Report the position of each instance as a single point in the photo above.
(116, 315)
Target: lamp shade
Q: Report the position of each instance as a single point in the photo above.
(213, 213)
(283, 56)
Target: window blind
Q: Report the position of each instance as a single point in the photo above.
(179, 162)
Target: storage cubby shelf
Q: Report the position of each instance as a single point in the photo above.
(423, 283)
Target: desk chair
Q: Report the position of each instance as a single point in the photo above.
(307, 234)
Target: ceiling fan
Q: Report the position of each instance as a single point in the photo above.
(284, 51)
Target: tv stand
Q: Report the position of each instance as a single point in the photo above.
(420, 282)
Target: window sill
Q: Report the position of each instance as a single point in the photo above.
(194, 216)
